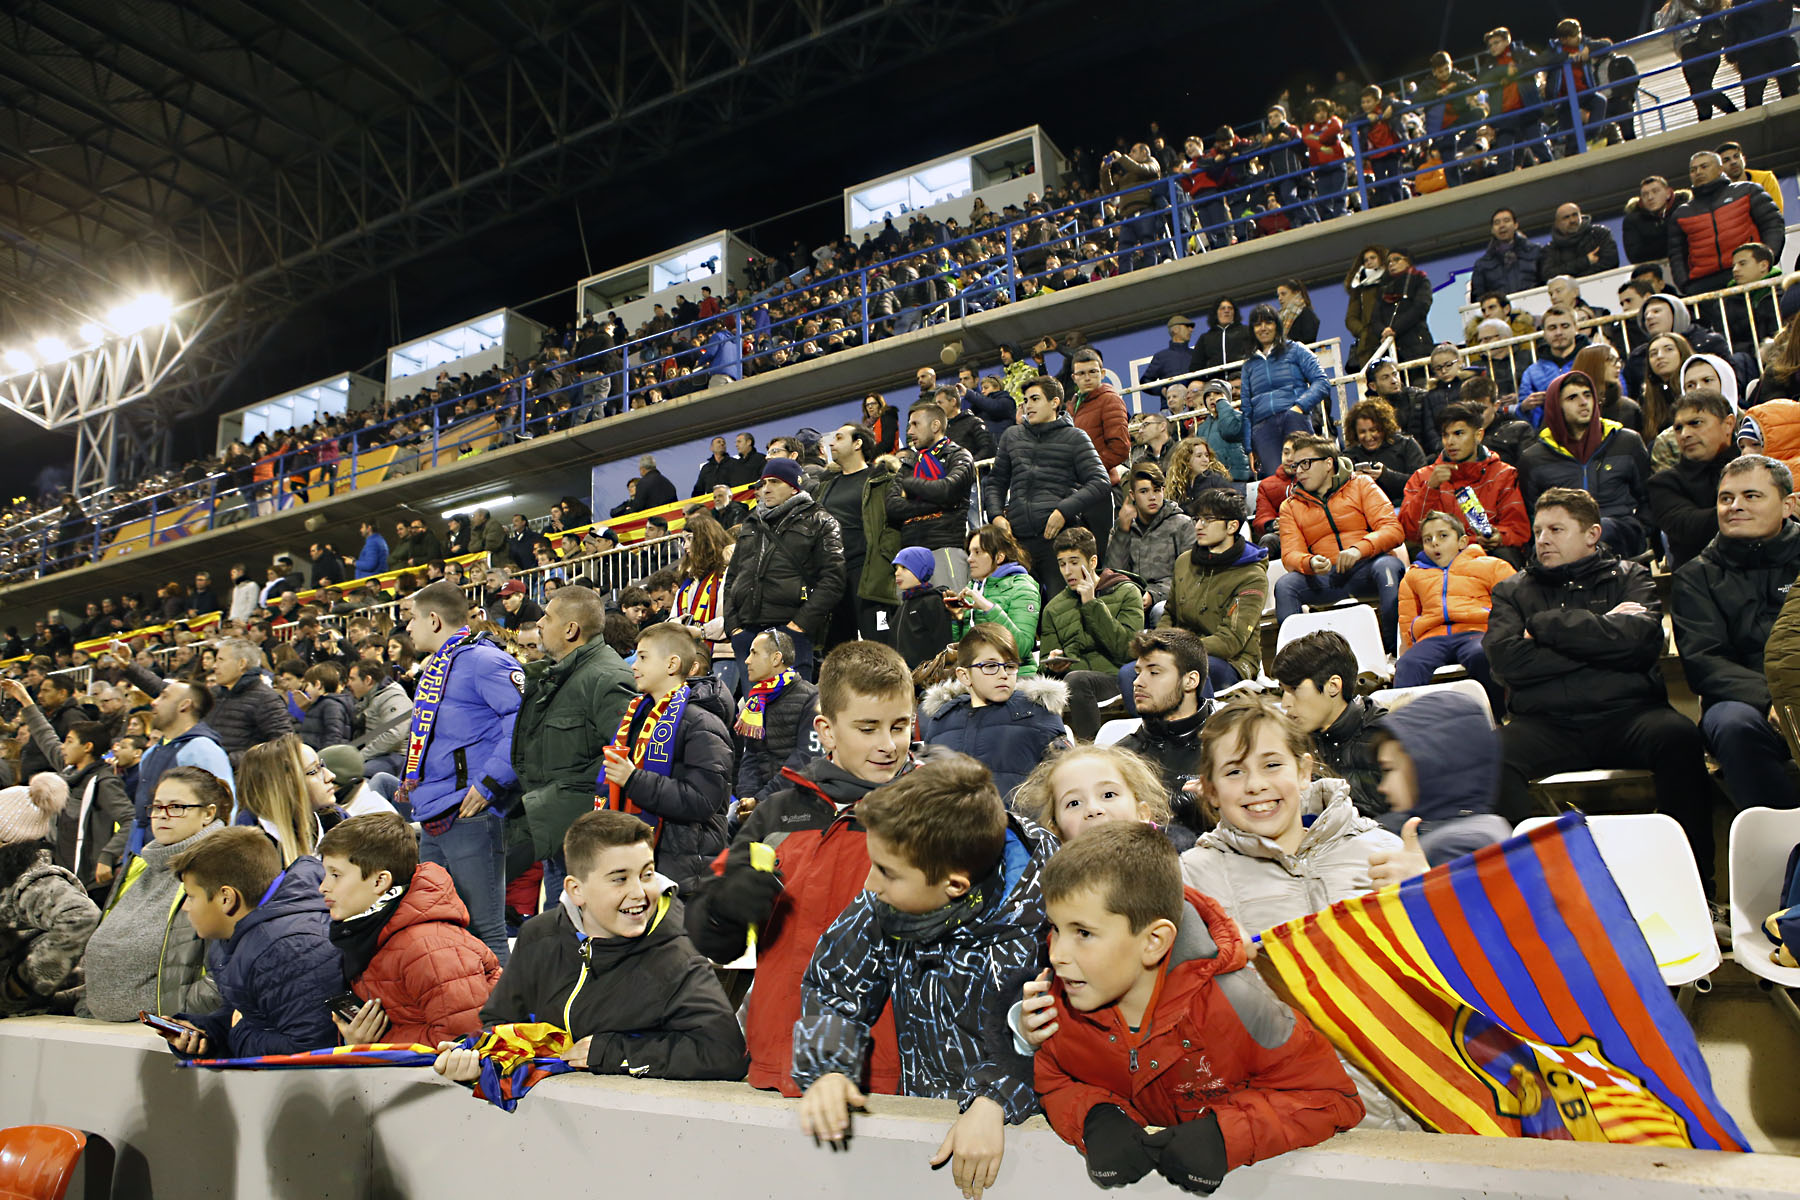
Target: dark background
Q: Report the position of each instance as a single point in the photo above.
(1088, 74)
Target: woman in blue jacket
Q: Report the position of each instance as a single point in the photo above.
(1282, 384)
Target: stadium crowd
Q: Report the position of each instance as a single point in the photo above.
(862, 722)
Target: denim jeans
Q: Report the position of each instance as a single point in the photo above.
(473, 851)
(1752, 756)
(1379, 575)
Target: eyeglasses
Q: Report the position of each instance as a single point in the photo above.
(995, 668)
(312, 772)
(1301, 464)
(171, 810)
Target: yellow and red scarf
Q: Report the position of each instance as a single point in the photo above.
(657, 724)
(750, 715)
(697, 600)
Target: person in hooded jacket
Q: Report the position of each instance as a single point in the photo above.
(1337, 527)
(1440, 763)
(1405, 304)
(1218, 589)
(1152, 533)
(1007, 726)
(1465, 462)
(1723, 606)
(1646, 225)
(1577, 448)
(1226, 340)
(1664, 313)
(330, 713)
(1283, 385)
(1444, 603)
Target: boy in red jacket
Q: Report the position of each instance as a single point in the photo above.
(404, 935)
(1158, 1025)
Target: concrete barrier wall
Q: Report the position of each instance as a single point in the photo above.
(161, 1131)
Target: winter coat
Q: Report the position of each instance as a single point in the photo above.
(951, 985)
(922, 625)
(822, 856)
(471, 741)
(569, 713)
(1616, 475)
(651, 1003)
(1438, 601)
(688, 804)
(1511, 81)
(723, 355)
(1009, 739)
(1723, 606)
(372, 559)
(1224, 432)
(490, 536)
(1118, 174)
(1174, 747)
(1017, 599)
(875, 582)
(1346, 748)
(933, 513)
(1718, 218)
(1398, 457)
(328, 721)
(37, 756)
(1097, 635)
(1101, 415)
(1452, 730)
(1363, 294)
(789, 740)
(46, 919)
(1781, 658)
(1684, 504)
(1647, 233)
(1271, 490)
(1404, 307)
(1221, 345)
(1496, 487)
(1214, 1039)
(386, 715)
(1352, 514)
(1150, 547)
(1567, 254)
(145, 956)
(1220, 597)
(788, 566)
(429, 972)
(248, 714)
(1274, 383)
(1506, 269)
(1578, 663)
(93, 826)
(276, 972)
(1043, 468)
(973, 433)
(1176, 358)
(198, 747)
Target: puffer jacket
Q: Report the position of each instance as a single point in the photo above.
(1220, 597)
(568, 714)
(1097, 635)
(1568, 254)
(822, 856)
(1101, 415)
(471, 741)
(951, 984)
(875, 582)
(788, 566)
(145, 956)
(95, 825)
(1438, 601)
(430, 973)
(46, 919)
(1173, 746)
(328, 721)
(1274, 383)
(275, 973)
(1150, 547)
(1647, 233)
(1263, 886)
(1225, 1044)
(1496, 487)
(1270, 492)
(1578, 662)
(1724, 605)
(1017, 600)
(1404, 306)
(933, 513)
(1040, 469)
(1718, 218)
(1684, 504)
(1352, 514)
(1505, 269)
(1363, 293)
(248, 714)
(1224, 432)
(1009, 739)
(386, 715)
(688, 804)
(789, 740)
(1222, 344)
(1616, 476)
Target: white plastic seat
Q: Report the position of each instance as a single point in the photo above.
(1275, 571)
(1761, 840)
(1651, 861)
(1388, 697)
(1116, 731)
(1357, 624)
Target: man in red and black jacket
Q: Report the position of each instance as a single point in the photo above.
(1709, 227)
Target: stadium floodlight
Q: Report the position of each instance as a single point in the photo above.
(469, 506)
(91, 333)
(52, 349)
(140, 313)
(20, 360)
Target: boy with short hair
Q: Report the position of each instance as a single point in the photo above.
(275, 965)
(922, 626)
(612, 966)
(1445, 598)
(820, 860)
(671, 761)
(1317, 674)
(1089, 626)
(404, 935)
(1149, 970)
(951, 928)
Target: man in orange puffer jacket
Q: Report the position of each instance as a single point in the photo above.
(1337, 527)
(1444, 604)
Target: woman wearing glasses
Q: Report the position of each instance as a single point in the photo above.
(145, 957)
(290, 793)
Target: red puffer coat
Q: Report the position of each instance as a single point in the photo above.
(430, 973)
(1214, 1038)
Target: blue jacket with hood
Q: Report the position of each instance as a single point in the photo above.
(1456, 757)
(1274, 383)
(471, 741)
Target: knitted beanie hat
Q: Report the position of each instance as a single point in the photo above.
(27, 812)
(916, 559)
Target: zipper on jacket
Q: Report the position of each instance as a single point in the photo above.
(569, 1004)
(1447, 629)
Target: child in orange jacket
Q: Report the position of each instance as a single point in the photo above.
(1445, 599)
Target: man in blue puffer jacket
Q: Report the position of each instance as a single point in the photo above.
(459, 756)
(1282, 384)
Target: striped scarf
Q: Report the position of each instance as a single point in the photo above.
(930, 465)
(750, 716)
(657, 723)
(697, 600)
(430, 694)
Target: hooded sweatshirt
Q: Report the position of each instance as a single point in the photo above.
(1456, 757)
(1609, 462)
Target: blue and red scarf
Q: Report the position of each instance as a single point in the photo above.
(930, 465)
(433, 679)
(656, 724)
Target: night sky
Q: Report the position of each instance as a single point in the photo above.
(1089, 74)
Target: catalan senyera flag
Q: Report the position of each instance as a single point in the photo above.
(1508, 993)
(514, 1059)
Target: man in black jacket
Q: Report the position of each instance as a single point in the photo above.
(929, 502)
(1577, 246)
(966, 427)
(788, 569)
(747, 467)
(715, 470)
(57, 701)
(1168, 693)
(1046, 475)
(1576, 638)
(781, 733)
(1724, 604)
(1684, 498)
(654, 489)
(246, 711)
(1177, 358)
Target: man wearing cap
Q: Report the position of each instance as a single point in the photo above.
(1177, 358)
(516, 607)
(788, 569)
